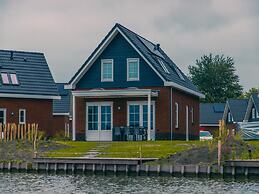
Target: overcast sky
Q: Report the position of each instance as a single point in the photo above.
(67, 31)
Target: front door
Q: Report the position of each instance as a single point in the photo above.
(99, 121)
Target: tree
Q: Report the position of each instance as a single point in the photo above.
(246, 95)
(216, 77)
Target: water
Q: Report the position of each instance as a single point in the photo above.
(48, 183)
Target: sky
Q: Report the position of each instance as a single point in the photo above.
(67, 31)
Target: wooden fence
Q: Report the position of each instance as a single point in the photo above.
(12, 131)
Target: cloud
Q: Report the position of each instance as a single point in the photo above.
(68, 31)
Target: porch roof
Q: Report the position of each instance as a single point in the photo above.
(129, 92)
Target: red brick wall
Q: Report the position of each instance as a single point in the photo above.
(184, 100)
(162, 103)
(59, 122)
(37, 111)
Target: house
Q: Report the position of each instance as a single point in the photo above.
(250, 126)
(27, 89)
(210, 115)
(61, 110)
(234, 113)
(130, 81)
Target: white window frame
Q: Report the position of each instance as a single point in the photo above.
(132, 60)
(176, 115)
(106, 61)
(192, 111)
(230, 118)
(141, 103)
(99, 104)
(4, 110)
(22, 110)
(253, 113)
(12, 77)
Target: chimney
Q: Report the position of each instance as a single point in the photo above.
(11, 57)
(157, 47)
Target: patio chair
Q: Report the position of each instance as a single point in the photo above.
(116, 134)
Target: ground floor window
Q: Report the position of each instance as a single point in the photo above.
(22, 116)
(138, 114)
(99, 116)
(2, 116)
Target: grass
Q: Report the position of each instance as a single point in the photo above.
(73, 149)
(148, 149)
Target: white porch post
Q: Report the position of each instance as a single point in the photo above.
(74, 118)
(149, 117)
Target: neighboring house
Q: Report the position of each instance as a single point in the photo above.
(27, 89)
(61, 110)
(234, 113)
(250, 126)
(129, 81)
(210, 115)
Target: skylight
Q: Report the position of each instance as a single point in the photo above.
(14, 79)
(179, 73)
(163, 65)
(9, 78)
(5, 79)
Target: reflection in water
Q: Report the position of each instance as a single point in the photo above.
(43, 183)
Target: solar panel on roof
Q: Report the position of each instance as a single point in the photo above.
(150, 46)
(218, 108)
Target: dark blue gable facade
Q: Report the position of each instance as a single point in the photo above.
(119, 50)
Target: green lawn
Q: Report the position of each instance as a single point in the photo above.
(74, 149)
(148, 149)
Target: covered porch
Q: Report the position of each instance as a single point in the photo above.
(115, 115)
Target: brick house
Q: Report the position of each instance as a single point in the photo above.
(27, 89)
(129, 81)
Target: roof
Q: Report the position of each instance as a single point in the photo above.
(63, 105)
(146, 49)
(32, 70)
(211, 113)
(238, 108)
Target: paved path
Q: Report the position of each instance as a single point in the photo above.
(93, 153)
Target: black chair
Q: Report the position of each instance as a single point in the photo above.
(116, 134)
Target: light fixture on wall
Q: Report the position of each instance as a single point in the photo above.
(119, 107)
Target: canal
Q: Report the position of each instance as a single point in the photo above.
(61, 183)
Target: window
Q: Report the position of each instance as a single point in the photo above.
(253, 113)
(179, 73)
(22, 116)
(14, 79)
(2, 115)
(192, 112)
(176, 115)
(5, 78)
(163, 65)
(92, 117)
(230, 118)
(132, 69)
(138, 114)
(106, 117)
(107, 70)
(257, 114)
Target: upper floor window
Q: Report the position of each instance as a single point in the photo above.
(132, 69)
(230, 118)
(107, 70)
(176, 115)
(253, 113)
